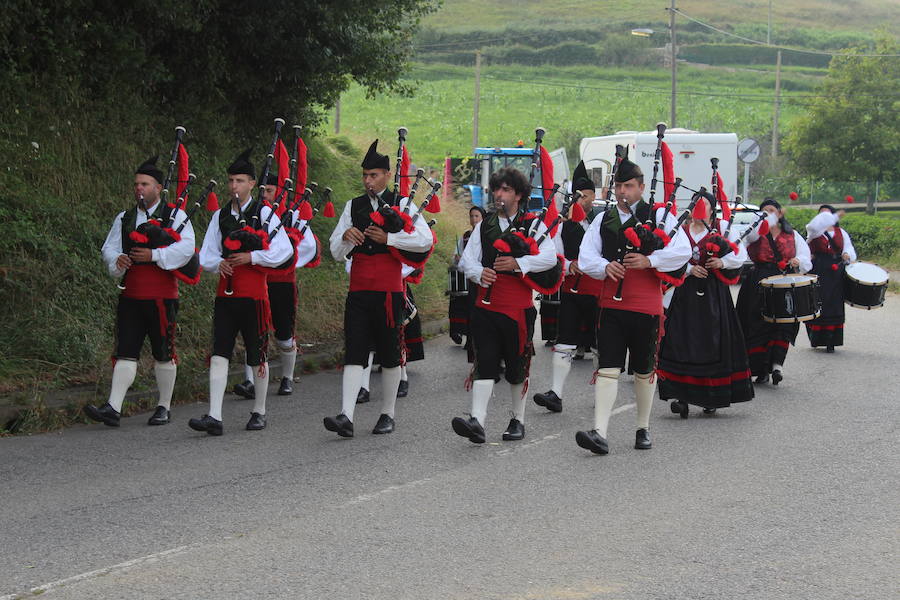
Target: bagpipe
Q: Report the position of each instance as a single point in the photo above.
(155, 234)
(718, 244)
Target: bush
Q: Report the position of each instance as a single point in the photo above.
(748, 54)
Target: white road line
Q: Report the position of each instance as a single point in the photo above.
(97, 573)
(388, 490)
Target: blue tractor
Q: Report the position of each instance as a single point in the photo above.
(489, 160)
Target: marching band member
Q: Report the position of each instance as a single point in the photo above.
(461, 306)
(502, 329)
(373, 310)
(577, 316)
(831, 249)
(777, 250)
(148, 306)
(633, 322)
(702, 358)
(242, 299)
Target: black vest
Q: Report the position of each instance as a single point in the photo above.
(491, 232)
(571, 235)
(229, 223)
(161, 213)
(360, 209)
(612, 230)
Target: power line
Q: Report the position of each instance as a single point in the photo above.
(787, 48)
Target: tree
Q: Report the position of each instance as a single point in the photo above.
(852, 129)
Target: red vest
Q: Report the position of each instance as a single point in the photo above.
(820, 245)
(760, 251)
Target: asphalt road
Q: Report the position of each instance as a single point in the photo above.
(793, 495)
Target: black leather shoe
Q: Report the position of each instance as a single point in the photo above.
(777, 376)
(514, 431)
(709, 411)
(285, 388)
(256, 422)
(468, 428)
(206, 423)
(456, 337)
(340, 425)
(579, 354)
(245, 390)
(679, 408)
(106, 414)
(593, 441)
(160, 416)
(829, 349)
(403, 389)
(363, 396)
(549, 343)
(549, 400)
(764, 378)
(385, 424)
(642, 440)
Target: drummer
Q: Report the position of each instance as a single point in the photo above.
(831, 249)
(775, 248)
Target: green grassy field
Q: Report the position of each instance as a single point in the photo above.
(570, 103)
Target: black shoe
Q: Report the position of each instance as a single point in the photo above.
(245, 390)
(549, 400)
(340, 425)
(160, 416)
(679, 408)
(777, 377)
(549, 343)
(456, 337)
(514, 431)
(642, 440)
(385, 424)
(709, 411)
(363, 396)
(764, 378)
(468, 428)
(403, 389)
(829, 350)
(256, 422)
(285, 388)
(579, 354)
(106, 414)
(593, 441)
(206, 423)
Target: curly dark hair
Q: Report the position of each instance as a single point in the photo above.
(512, 177)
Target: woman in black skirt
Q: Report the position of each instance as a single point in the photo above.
(831, 249)
(703, 360)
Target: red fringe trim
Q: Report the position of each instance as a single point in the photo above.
(550, 290)
(724, 279)
(675, 281)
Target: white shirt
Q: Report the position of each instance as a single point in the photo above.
(820, 225)
(730, 260)
(173, 256)
(671, 258)
(419, 240)
(211, 251)
(306, 249)
(470, 263)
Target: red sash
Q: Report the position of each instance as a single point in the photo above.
(375, 273)
(149, 282)
(510, 296)
(587, 285)
(248, 281)
(640, 293)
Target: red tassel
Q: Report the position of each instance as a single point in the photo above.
(552, 213)
(668, 169)
(834, 267)
(662, 235)
(232, 244)
(532, 246)
(212, 202)
(764, 228)
(734, 247)
(434, 205)
(306, 211)
(632, 237)
(183, 171)
(404, 173)
(547, 176)
(502, 246)
(782, 264)
(647, 226)
(722, 198)
(577, 213)
(849, 199)
(328, 211)
(154, 222)
(283, 161)
(173, 234)
(793, 195)
(658, 206)
(300, 184)
(376, 218)
(138, 238)
(700, 211)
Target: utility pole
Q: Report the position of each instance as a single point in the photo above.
(769, 30)
(337, 116)
(477, 98)
(674, 67)
(777, 106)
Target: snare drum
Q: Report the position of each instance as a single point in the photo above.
(552, 299)
(457, 284)
(865, 285)
(790, 298)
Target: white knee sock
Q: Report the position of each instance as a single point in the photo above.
(777, 367)
(605, 388)
(403, 375)
(288, 351)
(122, 378)
(481, 395)
(390, 381)
(248, 372)
(562, 363)
(351, 382)
(518, 401)
(367, 372)
(218, 380)
(643, 397)
(165, 381)
(261, 387)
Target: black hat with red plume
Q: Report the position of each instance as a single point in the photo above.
(242, 165)
(148, 167)
(374, 160)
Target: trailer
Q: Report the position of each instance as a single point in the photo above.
(692, 152)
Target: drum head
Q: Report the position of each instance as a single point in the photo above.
(867, 273)
(789, 280)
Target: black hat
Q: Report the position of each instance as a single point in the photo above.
(242, 165)
(374, 160)
(827, 207)
(769, 201)
(627, 171)
(580, 179)
(148, 167)
(271, 179)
